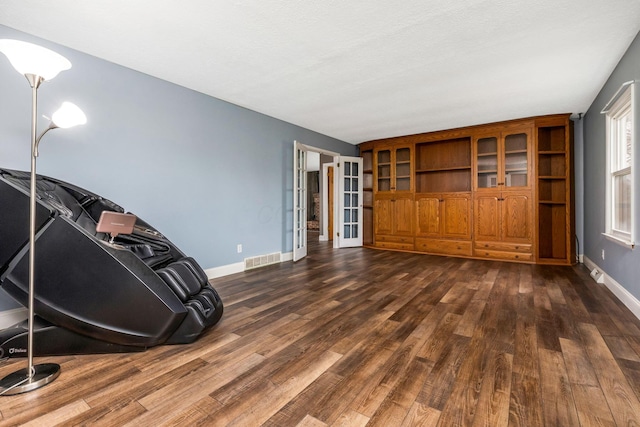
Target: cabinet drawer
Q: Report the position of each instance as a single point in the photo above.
(503, 246)
(394, 239)
(394, 245)
(445, 247)
(513, 256)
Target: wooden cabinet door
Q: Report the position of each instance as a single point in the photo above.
(517, 217)
(486, 150)
(428, 216)
(402, 169)
(383, 216)
(383, 169)
(403, 216)
(456, 216)
(504, 217)
(486, 217)
(503, 159)
(393, 169)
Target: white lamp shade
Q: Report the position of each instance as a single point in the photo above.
(68, 115)
(28, 58)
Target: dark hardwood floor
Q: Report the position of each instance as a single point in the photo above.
(355, 337)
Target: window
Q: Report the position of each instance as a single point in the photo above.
(620, 182)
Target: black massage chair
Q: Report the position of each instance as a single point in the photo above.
(94, 294)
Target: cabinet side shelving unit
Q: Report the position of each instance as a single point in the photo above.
(555, 243)
(367, 196)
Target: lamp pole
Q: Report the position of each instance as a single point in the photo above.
(34, 81)
(27, 58)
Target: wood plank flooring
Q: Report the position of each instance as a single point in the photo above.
(356, 337)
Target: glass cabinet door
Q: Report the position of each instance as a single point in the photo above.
(393, 168)
(515, 160)
(487, 162)
(403, 169)
(384, 170)
(502, 161)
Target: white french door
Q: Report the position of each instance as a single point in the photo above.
(349, 197)
(299, 201)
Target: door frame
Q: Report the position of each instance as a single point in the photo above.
(307, 148)
(324, 235)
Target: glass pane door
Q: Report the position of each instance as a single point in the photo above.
(487, 161)
(403, 169)
(384, 170)
(515, 160)
(350, 190)
(299, 201)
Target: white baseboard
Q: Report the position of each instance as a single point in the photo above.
(225, 270)
(238, 267)
(618, 290)
(13, 316)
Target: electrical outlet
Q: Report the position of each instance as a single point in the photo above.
(603, 254)
(239, 248)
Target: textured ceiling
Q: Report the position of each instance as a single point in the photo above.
(360, 69)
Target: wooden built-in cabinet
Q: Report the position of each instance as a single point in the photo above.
(503, 215)
(393, 197)
(495, 191)
(443, 195)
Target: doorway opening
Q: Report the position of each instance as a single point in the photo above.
(337, 215)
(320, 196)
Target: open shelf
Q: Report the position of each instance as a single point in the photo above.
(443, 166)
(551, 139)
(552, 218)
(554, 165)
(553, 203)
(367, 196)
(552, 190)
(446, 154)
(444, 181)
(367, 161)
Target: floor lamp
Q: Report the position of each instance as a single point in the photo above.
(37, 64)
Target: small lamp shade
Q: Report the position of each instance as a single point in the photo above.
(29, 58)
(68, 115)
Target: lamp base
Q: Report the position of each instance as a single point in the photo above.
(19, 381)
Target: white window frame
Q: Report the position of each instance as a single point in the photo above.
(621, 105)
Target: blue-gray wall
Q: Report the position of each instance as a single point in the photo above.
(206, 173)
(621, 263)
